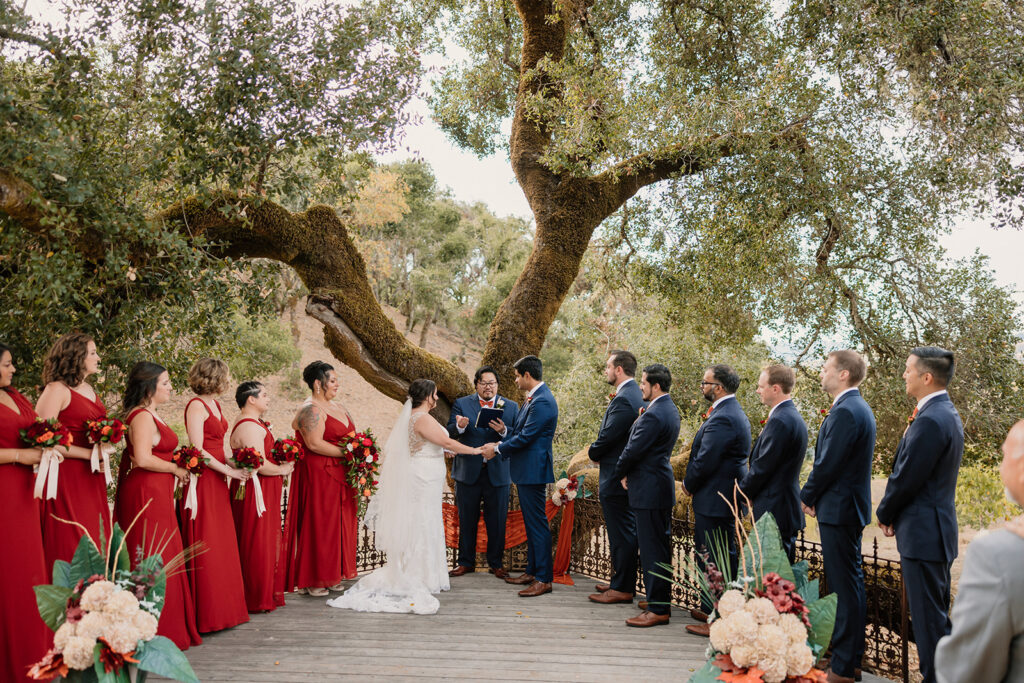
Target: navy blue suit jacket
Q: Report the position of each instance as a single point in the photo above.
(919, 498)
(773, 481)
(644, 460)
(619, 416)
(718, 458)
(839, 486)
(466, 468)
(527, 444)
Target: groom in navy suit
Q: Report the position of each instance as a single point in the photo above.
(838, 493)
(918, 507)
(479, 481)
(773, 482)
(645, 472)
(526, 446)
(622, 411)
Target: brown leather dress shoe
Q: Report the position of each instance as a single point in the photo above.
(521, 580)
(642, 604)
(646, 619)
(833, 677)
(534, 589)
(461, 570)
(699, 616)
(699, 629)
(499, 572)
(602, 587)
(610, 597)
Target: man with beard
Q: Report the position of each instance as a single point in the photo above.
(622, 411)
(718, 459)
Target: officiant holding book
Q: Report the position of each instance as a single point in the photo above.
(475, 420)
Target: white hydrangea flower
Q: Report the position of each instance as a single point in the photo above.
(799, 659)
(146, 624)
(763, 610)
(92, 625)
(732, 601)
(744, 627)
(60, 638)
(744, 655)
(78, 653)
(122, 606)
(774, 669)
(793, 627)
(721, 634)
(122, 637)
(771, 641)
(94, 598)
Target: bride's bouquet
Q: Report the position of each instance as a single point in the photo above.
(362, 456)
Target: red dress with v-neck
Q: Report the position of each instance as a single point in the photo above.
(216, 574)
(24, 638)
(326, 526)
(259, 537)
(81, 493)
(157, 525)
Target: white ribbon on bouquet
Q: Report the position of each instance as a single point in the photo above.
(102, 451)
(191, 497)
(47, 473)
(257, 490)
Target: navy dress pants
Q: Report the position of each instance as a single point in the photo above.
(840, 545)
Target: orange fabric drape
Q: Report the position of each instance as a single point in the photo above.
(515, 534)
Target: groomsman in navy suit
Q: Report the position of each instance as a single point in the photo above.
(773, 481)
(622, 411)
(526, 446)
(718, 460)
(918, 505)
(643, 469)
(479, 481)
(838, 493)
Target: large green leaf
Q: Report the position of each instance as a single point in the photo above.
(822, 615)
(87, 561)
(62, 574)
(163, 658)
(764, 553)
(52, 603)
(708, 673)
(810, 592)
(800, 571)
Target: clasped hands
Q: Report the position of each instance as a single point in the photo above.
(487, 450)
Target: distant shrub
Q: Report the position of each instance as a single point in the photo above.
(980, 497)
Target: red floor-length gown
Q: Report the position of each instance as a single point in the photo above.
(81, 493)
(24, 638)
(157, 525)
(215, 575)
(259, 538)
(326, 525)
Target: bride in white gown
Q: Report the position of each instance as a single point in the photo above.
(405, 514)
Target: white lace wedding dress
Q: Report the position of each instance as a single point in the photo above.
(405, 516)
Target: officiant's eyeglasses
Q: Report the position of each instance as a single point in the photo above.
(487, 384)
(710, 384)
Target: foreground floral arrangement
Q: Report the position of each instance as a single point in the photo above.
(566, 489)
(769, 624)
(362, 457)
(105, 614)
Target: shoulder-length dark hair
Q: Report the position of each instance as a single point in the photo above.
(141, 384)
(65, 361)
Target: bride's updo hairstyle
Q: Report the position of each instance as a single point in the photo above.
(420, 391)
(317, 370)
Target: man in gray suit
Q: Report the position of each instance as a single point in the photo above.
(987, 640)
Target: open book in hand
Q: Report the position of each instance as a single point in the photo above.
(483, 419)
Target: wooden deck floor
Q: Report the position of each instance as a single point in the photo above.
(483, 632)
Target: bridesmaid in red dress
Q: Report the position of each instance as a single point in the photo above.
(81, 493)
(216, 575)
(259, 536)
(24, 638)
(150, 479)
(326, 526)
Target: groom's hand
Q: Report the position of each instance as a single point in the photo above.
(487, 450)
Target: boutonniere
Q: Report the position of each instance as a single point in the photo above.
(764, 422)
(642, 409)
(612, 395)
(824, 413)
(706, 415)
(529, 398)
(912, 417)
(500, 403)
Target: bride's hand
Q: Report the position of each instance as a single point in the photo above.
(449, 454)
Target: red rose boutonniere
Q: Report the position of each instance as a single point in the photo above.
(642, 409)
(611, 395)
(913, 416)
(764, 422)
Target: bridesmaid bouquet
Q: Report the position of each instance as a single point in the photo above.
(103, 435)
(362, 456)
(104, 616)
(47, 435)
(286, 450)
(249, 459)
(189, 458)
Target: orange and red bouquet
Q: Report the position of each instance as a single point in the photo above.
(360, 453)
(191, 459)
(46, 434)
(245, 459)
(285, 451)
(110, 430)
